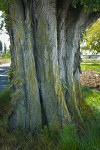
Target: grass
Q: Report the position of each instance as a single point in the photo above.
(67, 138)
(90, 65)
(7, 55)
(5, 58)
(92, 123)
(4, 102)
(92, 98)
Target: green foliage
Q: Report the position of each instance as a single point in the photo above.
(2, 5)
(89, 5)
(91, 37)
(5, 102)
(7, 55)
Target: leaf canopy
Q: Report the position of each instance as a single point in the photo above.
(89, 5)
(91, 37)
(3, 5)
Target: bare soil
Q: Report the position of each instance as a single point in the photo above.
(90, 78)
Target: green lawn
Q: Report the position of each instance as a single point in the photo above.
(90, 65)
(5, 58)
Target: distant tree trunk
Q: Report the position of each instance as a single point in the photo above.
(0, 46)
(5, 49)
(45, 37)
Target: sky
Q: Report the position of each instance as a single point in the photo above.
(4, 37)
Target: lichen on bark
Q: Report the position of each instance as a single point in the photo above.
(45, 38)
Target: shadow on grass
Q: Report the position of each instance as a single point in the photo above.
(86, 92)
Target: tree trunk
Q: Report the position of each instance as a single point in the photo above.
(45, 38)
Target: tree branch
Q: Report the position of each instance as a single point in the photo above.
(91, 18)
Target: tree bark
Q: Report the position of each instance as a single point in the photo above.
(45, 38)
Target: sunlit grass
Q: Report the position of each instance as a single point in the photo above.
(92, 98)
(5, 60)
(86, 65)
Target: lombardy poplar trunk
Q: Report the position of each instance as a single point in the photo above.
(45, 37)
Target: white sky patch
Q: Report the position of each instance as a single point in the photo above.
(4, 37)
(0, 13)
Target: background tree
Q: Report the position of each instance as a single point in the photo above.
(91, 37)
(45, 39)
(5, 49)
(0, 46)
(1, 23)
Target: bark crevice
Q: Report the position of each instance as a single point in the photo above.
(35, 53)
(43, 111)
